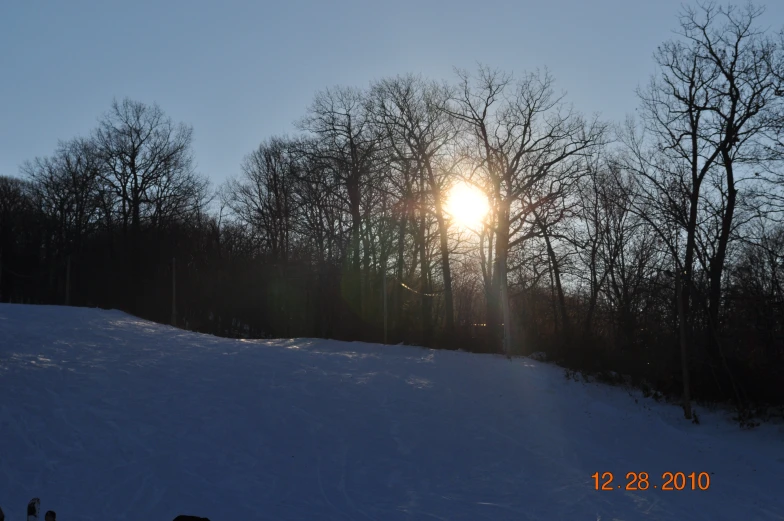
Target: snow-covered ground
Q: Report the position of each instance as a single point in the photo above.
(105, 416)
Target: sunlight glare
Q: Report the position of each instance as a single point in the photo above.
(467, 205)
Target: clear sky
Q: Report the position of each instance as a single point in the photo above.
(241, 71)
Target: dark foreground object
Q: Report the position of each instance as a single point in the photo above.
(32, 511)
(33, 507)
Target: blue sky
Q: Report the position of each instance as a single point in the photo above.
(241, 71)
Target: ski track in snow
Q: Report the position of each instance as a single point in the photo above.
(106, 416)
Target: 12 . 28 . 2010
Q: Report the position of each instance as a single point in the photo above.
(641, 481)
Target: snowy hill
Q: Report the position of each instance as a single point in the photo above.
(105, 416)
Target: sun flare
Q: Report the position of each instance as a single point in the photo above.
(467, 205)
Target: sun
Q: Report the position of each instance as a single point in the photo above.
(467, 205)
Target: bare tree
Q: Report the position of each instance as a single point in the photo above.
(67, 189)
(706, 113)
(147, 171)
(522, 135)
(147, 163)
(19, 235)
(346, 144)
(743, 94)
(263, 197)
(412, 113)
(595, 209)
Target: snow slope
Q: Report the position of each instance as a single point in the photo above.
(105, 416)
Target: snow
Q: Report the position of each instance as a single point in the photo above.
(106, 416)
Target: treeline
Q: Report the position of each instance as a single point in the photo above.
(653, 249)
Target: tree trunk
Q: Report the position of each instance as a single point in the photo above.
(449, 312)
(493, 316)
(553, 298)
(558, 287)
(449, 323)
(174, 293)
(717, 263)
(501, 254)
(424, 287)
(683, 284)
(365, 286)
(68, 281)
(355, 270)
(588, 328)
(681, 296)
(399, 272)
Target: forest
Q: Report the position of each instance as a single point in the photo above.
(647, 251)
